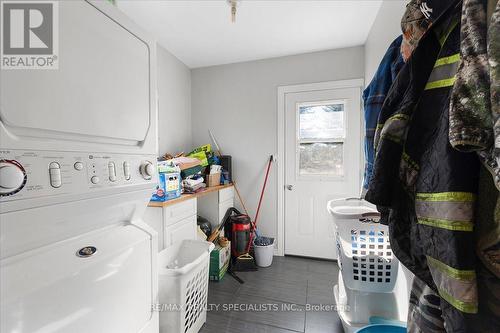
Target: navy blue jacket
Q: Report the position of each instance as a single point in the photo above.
(374, 96)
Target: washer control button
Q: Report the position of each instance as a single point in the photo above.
(94, 179)
(55, 175)
(78, 166)
(126, 170)
(112, 171)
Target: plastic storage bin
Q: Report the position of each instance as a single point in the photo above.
(183, 286)
(383, 325)
(382, 328)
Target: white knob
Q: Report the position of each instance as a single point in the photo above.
(78, 166)
(94, 179)
(11, 177)
(147, 170)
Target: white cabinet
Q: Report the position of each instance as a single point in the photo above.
(176, 220)
(214, 205)
(173, 223)
(223, 207)
(185, 229)
(226, 194)
(180, 211)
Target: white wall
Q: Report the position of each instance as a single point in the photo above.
(385, 29)
(174, 93)
(238, 102)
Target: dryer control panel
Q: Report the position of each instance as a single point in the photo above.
(31, 174)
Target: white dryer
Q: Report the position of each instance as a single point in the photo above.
(77, 151)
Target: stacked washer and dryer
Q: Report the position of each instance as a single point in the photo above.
(77, 151)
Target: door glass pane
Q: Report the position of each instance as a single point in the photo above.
(324, 121)
(321, 158)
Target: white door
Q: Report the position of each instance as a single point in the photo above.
(323, 162)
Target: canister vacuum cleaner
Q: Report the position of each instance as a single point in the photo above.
(240, 229)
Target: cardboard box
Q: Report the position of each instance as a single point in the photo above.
(213, 179)
(219, 261)
(218, 277)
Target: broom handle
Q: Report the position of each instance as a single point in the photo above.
(239, 197)
(263, 189)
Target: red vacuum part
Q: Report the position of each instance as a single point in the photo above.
(241, 234)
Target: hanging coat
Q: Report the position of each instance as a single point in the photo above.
(426, 187)
(374, 96)
(472, 122)
(475, 126)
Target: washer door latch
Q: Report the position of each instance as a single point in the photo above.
(86, 251)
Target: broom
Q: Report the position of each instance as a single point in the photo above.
(246, 261)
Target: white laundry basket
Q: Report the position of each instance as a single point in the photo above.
(183, 286)
(365, 254)
(369, 284)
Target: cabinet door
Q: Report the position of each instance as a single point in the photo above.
(180, 211)
(185, 229)
(226, 194)
(223, 207)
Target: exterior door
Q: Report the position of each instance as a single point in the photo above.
(322, 162)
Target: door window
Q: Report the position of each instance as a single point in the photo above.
(321, 136)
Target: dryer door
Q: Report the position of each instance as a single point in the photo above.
(99, 282)
(102, 91)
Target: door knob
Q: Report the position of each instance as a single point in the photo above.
(289, 187)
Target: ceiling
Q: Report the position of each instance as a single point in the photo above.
(200, 32)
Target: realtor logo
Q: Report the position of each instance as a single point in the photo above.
(29, 35)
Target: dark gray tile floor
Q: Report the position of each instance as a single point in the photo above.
(276, 299)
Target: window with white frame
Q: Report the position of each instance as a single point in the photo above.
(321, 135)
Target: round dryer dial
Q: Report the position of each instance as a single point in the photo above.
(12, 177)
(147, 170)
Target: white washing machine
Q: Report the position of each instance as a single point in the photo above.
(77, 151)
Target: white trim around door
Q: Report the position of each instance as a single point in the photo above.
(280, 161)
